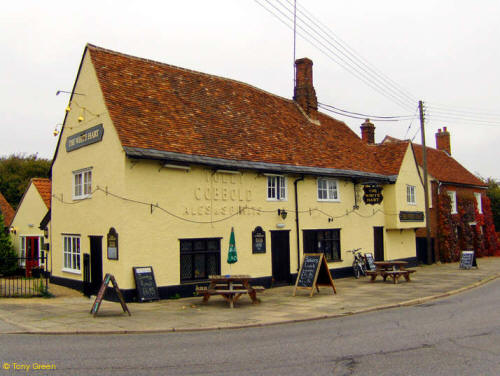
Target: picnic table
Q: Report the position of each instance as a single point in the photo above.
(391, 269)
(230, 287)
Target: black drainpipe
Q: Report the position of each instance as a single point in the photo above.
(297, 219)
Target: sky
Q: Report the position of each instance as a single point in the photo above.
(444, 53)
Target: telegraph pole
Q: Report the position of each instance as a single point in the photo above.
(426, 186)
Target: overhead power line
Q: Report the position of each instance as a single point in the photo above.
(339, 55)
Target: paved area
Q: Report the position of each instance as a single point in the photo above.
(68, 311)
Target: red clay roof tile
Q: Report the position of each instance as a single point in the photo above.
(162, 107)
(44, 187)
(7, 211)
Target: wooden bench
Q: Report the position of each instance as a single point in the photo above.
(231, 295)
(395, 274)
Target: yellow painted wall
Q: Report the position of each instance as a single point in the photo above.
(395, 195)
(28, 216)
(106, 158)
(152, 207)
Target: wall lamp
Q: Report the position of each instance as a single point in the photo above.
(13, 230)
(283, 213)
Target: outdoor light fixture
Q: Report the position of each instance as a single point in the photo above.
(231, 172)
(80, 118)
(283, 213)
(13, 230)
(177, 167)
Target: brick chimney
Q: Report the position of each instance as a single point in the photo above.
(368, 132)
(304, 93)
(443, 140)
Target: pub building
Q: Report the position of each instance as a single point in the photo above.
(155, 164)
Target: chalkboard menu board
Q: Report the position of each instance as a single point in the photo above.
(369, 261)
(313, 272)
(145, 283)
(308, 270)
(467, 260)
(258, 240)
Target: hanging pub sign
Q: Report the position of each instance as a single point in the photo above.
(373, 194)
(112, 243)
(258, 240)
(84, 138)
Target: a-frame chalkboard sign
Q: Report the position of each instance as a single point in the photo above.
(313, 273)
(468, 260)
(102, 290)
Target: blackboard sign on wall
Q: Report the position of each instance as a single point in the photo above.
(145, 283)
(313, 273)
(258, 240)
(467, 260)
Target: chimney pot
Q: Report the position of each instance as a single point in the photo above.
(368, 132)
(443, 140)
(304, 93)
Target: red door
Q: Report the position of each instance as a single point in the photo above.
(31, 254)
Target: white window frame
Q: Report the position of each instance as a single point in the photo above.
(479, 202)
(411, 196)
(82, 184)
(331, 189)
(277, 188)
(453, 198)
(22, 250)
(71, 245)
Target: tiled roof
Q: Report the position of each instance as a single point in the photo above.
(439, 164)
(390, 155)
(44, 187)
(161, 107)
(7, 211)
(445, 168)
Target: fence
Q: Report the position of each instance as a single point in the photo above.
(29, 279)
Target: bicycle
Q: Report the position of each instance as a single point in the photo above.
(358, 264)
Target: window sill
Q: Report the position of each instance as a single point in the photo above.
(328, 200)
(77, 198)
(277, 200)
(72, 271)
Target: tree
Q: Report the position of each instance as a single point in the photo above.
(16, 172)
(493, 194)
(8, 257)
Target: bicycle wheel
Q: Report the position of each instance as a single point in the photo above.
(357, 271)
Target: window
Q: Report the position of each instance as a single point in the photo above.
(276, 188)
(478, 201)
(71, 253)
(22, 251)
(326, 241)
(82, 184)
(199, 258)
(328, 190)
(410, 195)
(453, 198)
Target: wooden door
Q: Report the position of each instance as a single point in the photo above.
(32, 249)
(378, 243)
(280, 257)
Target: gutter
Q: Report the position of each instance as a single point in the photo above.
(297, 219)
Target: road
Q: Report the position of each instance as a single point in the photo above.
(459, 335)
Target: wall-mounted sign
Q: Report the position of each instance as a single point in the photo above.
(373, 194)
(84, 138)
(411, 216)
(258, 240)
(112, 243)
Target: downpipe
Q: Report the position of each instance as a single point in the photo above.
(297, 220)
